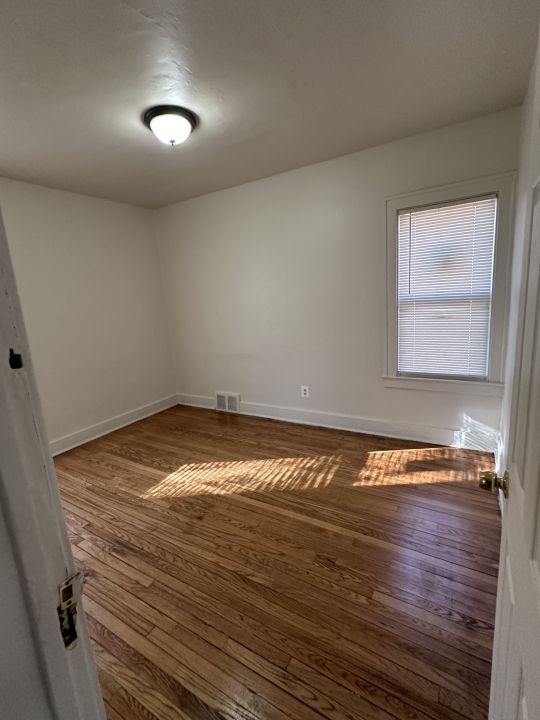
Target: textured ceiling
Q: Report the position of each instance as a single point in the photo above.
(277, 83)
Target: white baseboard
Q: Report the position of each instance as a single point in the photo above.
(354, 423)
(67, 442)
(201, 401)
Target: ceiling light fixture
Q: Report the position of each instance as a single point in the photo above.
(171, 124)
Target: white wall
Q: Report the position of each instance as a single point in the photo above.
(90, 287)
(281, 282)
(269, 285)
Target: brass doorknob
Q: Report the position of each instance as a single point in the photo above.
(491, 481)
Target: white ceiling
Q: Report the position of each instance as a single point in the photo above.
(277, 83)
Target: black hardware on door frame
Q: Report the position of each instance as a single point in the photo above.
(15, 360)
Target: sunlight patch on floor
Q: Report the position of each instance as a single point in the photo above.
(418, 466)
(236, 476)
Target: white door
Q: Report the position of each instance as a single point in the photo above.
(515, 690)
(39, 677)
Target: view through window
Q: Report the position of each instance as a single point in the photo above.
(445, 280)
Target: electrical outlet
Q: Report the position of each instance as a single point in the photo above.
(304, 391)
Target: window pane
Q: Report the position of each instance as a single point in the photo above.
(445, 274)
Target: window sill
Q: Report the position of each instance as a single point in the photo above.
(485, 388)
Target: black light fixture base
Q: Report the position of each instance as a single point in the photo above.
(153, 112)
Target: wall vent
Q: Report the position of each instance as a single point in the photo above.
(228, 402)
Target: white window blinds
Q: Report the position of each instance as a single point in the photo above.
(445, 278)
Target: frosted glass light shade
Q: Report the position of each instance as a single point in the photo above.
(171, 129)
(171, 124)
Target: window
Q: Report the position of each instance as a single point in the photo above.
(445, 279)
(448, 251)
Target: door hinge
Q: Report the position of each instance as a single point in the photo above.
(69, 593)
(489, 480)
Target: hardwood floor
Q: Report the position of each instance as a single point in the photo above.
(248, 569)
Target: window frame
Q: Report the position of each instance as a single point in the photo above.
(503, 187)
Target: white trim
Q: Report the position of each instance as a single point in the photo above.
(353, 423)
(318, 418)
(461, 387)
(67, 442)
(200, 401)
(503, 186)
(499, 455)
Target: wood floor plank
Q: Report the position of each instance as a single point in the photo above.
(377, 646)
(190, 678)
(248, 569)
(133, 682)
(415, 688)
(123, 702)
(112, 714)
(368, 612)
(264, 637)
(170, 693)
